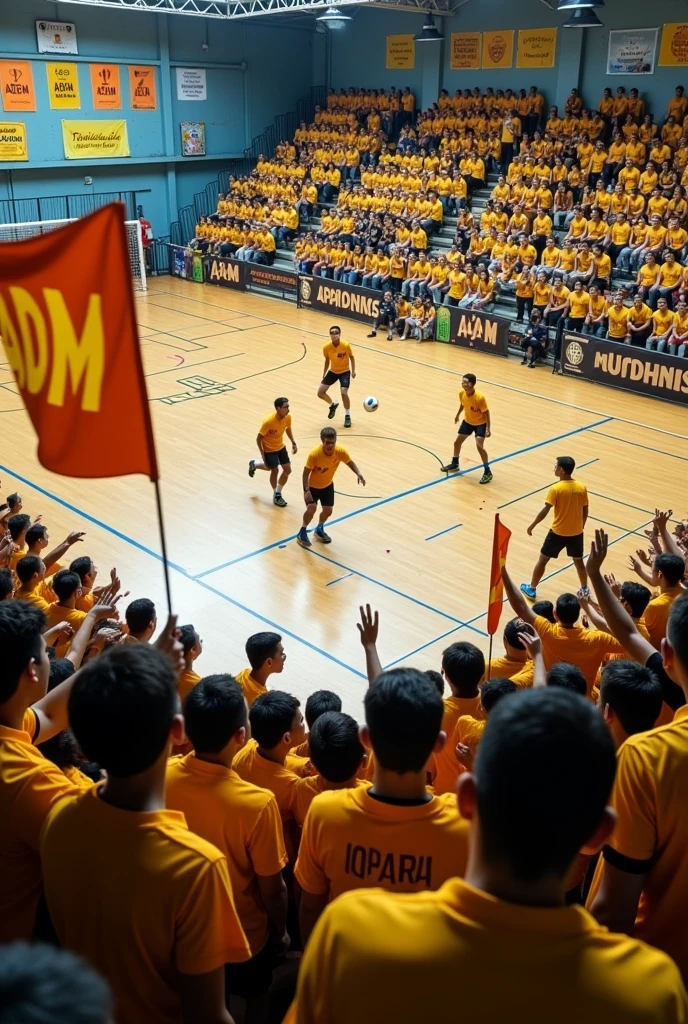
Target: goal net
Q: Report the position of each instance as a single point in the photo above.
(20, 232)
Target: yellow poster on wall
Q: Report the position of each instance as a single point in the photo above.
(536, 47)
(107, 94)
(498, 49)
(673, 51)
(13, 145)
(401, 52)
(63, 86)
(16, 82)
(465, 51)
(94, 139)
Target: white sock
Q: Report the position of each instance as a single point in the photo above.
(258, 463)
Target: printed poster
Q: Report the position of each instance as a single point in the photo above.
(632, 51)
(193, 138)
(13, 145)
(674, 49)
(536, 47)
(63, 86)
(191, 84)
(16, 83)
(56, 37)
(105, 87)
(401, 52)
(142, 87)
(94, 139)
(465, 51)
(498, 49)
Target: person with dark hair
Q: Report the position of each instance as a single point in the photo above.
(396, 834)
(508, 919)
(17, 525)
(30, 572)
(569, 499)
(276, 728)
(87, 572)
(15, 503)
(476, 420)
(437, 678)
(67, 587)
(463, 667)
(469, 730)
(630, 699)
(37, 540)
(337, 755)
(544, 608)
(266, 656)
(43, 985)
(242, 821)
(668, 571)
(515, 660)
(318, 703)
(6, 585)
(340, 368)
(141, 620)
(318, 486)
(192, 646)
(568, 677)
(146, 901)
(273, 452)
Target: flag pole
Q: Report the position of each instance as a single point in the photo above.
(163, 545)
(489, 658)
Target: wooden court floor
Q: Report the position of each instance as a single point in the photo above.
(413, 543)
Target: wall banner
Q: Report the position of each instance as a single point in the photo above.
(16, 83)
(63, 86)
(623, 366)
(13, 144)
(105, 87)
(465, 51)
(498, 49)
(632, 51)
(226, 272)
(95, 139)
(56, 37)
(674, 49)
(471, 328)
(338, 298)
(191, 84)
(142, 92)
(536, 47)
(401, 53)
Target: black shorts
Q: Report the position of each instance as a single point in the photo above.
(324, 495)
(251, 978)
(344, 379)
(554, 544)
(274, 459)
(471, 428)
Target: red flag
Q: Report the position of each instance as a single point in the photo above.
(68, 326)
(500, 544)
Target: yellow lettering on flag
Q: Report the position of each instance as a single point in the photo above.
(498, 49)
(465, 51)
(83, 139)
(673, 51)
(401, 53)
(105, 87)
(13, 144)
(536, 47)
(63, 86)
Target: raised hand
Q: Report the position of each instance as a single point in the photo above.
(598, 552)
(368, 626)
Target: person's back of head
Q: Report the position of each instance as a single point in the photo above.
(14, 502)
(535, 820)
(567, 609)
(272, 717)
(65, 584)
(545, 609)
(189, 639)
(122, 707)
(636, 596)
(320, 702)
(28, 567)
(335, 747)
(463, 665)
(140, 617)
(21, 644)
(40, 984)
(82, 566)
(492, 691)
(436, 677)
(675, 647)
(566, 464)
(567, 677)
(17, 525)
(511, 631)
(36, 533)
(214, 712)
(262, 647)
(632, 693)
(403, 712)
(6, 584)
(671, 567)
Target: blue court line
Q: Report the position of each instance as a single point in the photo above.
(386, 586)
(614, 526)
(344, 577)
(626, 533)
(648, 448)
(447, 530)
(177, 568)
(618, 501)
(422, 648)
(543, 488)
(411, 490)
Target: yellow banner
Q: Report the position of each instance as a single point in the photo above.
(13, 145)
(16, 82)
(97, 139)
(674, 49)
(465, 51)
(401, 53)
(536, 47)
(498, 49)
(107, 94)
(63, 86)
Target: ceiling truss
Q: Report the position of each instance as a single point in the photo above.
(235, 9)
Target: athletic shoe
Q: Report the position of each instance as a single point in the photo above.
(347, 421)
(529, 591)
(252, 467)
(303, 539)
(373, 334)
(486, 478)
(450, 468)
(524, 360)
(531, 366)
(321, 535)
(279, 500)
(390, 337)
(333, 408)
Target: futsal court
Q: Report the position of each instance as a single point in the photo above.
(413, 543)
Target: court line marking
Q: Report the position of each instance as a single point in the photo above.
(444, 369)
(437, 639)
(403, 494)
(658, 451)
(545, 487)
(192, 366)
(637, 508)
(614, 526)
(339, 579)
(447, 530)
(177, 568)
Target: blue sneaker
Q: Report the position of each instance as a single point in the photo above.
(303, 539)
(529, 591)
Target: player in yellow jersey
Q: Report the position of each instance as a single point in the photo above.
(318, 474)
(476, 420)
(340, 367)
(273, 451)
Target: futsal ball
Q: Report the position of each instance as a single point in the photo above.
(370, 404)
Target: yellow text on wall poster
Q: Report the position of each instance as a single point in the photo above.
(536, 47)
(107, 94)
(498, 49)
(63, 86)
(401, 53)
(465, 51)
(673, 51)
(94, 139)
(13, 145)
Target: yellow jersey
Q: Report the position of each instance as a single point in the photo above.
(323, 467)
(474, 407)
(568, 498)
(272, 431)
(339, 356)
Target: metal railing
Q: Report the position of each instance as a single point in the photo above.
(18, 211)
